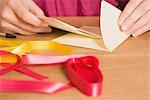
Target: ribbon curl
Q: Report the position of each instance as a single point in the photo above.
(82, 72)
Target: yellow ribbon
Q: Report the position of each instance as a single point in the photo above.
(23, 47)
(11, 42)
(9, 58)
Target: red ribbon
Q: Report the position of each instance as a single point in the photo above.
(18, 67)
(81, 70)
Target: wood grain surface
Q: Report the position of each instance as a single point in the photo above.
(126, 70)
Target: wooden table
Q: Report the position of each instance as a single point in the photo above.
(126, 72)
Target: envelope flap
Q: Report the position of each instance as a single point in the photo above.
(64, 26)
(110, 30)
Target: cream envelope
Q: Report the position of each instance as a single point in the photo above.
(108, 39)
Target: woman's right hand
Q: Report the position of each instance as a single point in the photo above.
(21, 16)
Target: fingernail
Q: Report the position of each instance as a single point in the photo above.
(45, 30)
(124, 28)
(128, 32)
(37, 22)
(134, 35)
(48, 29)
(121, 21)
(44, 24)
(41, 16)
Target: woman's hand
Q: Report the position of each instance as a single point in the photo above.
(21, 16)
(135, 19)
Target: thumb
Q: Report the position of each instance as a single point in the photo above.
(35, 9)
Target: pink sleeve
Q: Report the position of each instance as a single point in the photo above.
(69, 7)
(120, 4)
(89, 7)
(73, 7)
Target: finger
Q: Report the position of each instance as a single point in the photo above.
(140, 23)
(8, 31)
(130, 7)
(135, 16)
(10, 27)
(38, 12)
(35, 9)
(41, 29)
(142, 30)
(3, 3)
(8, 15)
(24, 14)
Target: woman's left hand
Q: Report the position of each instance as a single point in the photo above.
(135, 19)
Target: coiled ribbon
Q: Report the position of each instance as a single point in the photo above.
(81, 70)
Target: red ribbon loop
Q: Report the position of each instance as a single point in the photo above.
(82, 71)
(16, 66)
(85, 75)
